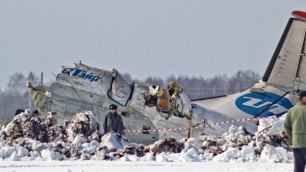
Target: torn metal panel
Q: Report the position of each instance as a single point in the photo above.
(120, 91)
(39, 97)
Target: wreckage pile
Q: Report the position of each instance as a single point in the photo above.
(28, 137)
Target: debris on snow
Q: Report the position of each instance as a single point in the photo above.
(86, 125)
(28, 137)
(168, 145)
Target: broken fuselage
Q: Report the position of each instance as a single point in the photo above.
(143, 106)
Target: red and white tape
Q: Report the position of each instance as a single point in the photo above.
(201, 126)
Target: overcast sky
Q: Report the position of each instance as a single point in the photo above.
(141, 37)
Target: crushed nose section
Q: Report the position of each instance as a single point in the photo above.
(39, 96)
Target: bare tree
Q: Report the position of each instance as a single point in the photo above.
(16, 95)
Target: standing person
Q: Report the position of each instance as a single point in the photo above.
(113, 121)
(295, 129)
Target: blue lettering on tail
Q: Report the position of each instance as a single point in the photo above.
(254, 103)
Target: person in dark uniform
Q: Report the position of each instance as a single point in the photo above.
(113, 121)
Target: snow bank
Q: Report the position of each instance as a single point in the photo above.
(29, 138)
(115, 141)
(272, 126)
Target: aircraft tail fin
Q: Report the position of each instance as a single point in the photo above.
(287, 68)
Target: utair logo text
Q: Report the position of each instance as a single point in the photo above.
(254, 103)
(81, 73)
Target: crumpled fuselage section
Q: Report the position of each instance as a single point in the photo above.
(143, 106)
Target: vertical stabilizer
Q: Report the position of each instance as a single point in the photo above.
(287, 68)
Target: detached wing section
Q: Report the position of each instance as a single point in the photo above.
(287, 68)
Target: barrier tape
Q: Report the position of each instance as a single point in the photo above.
(206, 125)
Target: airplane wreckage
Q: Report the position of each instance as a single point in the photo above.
(144, 106)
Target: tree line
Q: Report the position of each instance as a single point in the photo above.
(16, 95)
(199, 87)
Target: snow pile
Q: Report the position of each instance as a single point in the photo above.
(114, 141)
(28, 137)
(272, 126)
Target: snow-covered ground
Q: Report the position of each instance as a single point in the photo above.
(113, 166)
(29, 144)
